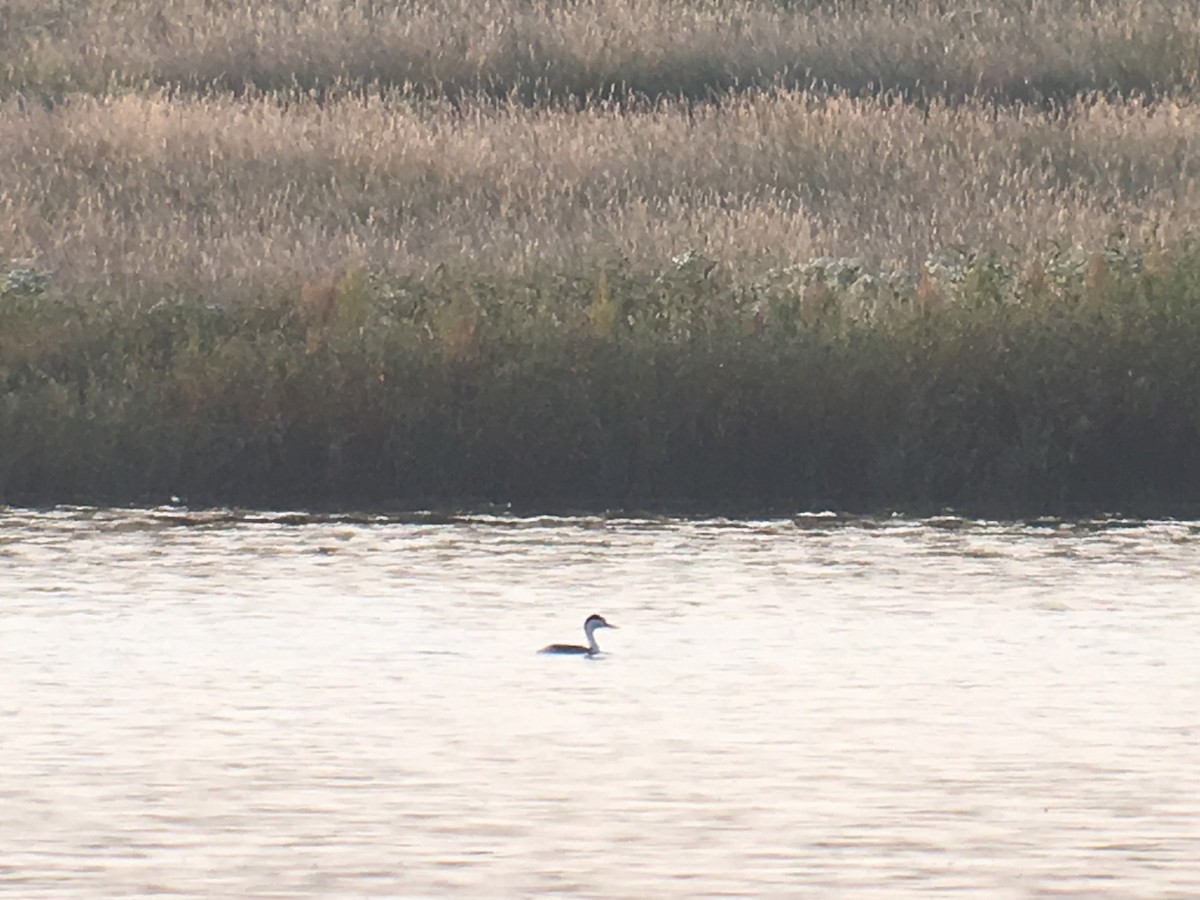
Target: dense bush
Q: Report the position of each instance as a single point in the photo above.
(1074, 382)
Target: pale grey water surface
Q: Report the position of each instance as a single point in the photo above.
(215, 705)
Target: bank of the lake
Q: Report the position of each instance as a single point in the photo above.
(1070, 381)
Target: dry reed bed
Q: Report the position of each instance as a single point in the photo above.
(232, 197)
(1014, 49)
(397, 287)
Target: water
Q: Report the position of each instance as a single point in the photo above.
(223, 706)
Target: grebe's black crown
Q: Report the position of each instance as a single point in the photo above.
(599, 620)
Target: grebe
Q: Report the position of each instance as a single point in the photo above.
(589, 628)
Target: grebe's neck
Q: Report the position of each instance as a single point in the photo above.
(590, 630)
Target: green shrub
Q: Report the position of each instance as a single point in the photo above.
(969, 385)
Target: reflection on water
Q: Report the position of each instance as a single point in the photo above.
(222, 705)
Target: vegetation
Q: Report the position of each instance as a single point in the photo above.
(601, 252)
(140, 194)
(1007, 49)
(1074, 383)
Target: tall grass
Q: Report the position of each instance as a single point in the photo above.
(596, 252)
(1009, 49)
(1063, 386)
(230, 197)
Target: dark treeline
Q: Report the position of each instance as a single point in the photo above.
(617, 389)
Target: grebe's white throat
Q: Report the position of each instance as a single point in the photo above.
(589, 628)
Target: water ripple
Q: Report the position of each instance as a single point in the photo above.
(238, 703)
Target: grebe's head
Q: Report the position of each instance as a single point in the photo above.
(594, 622)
